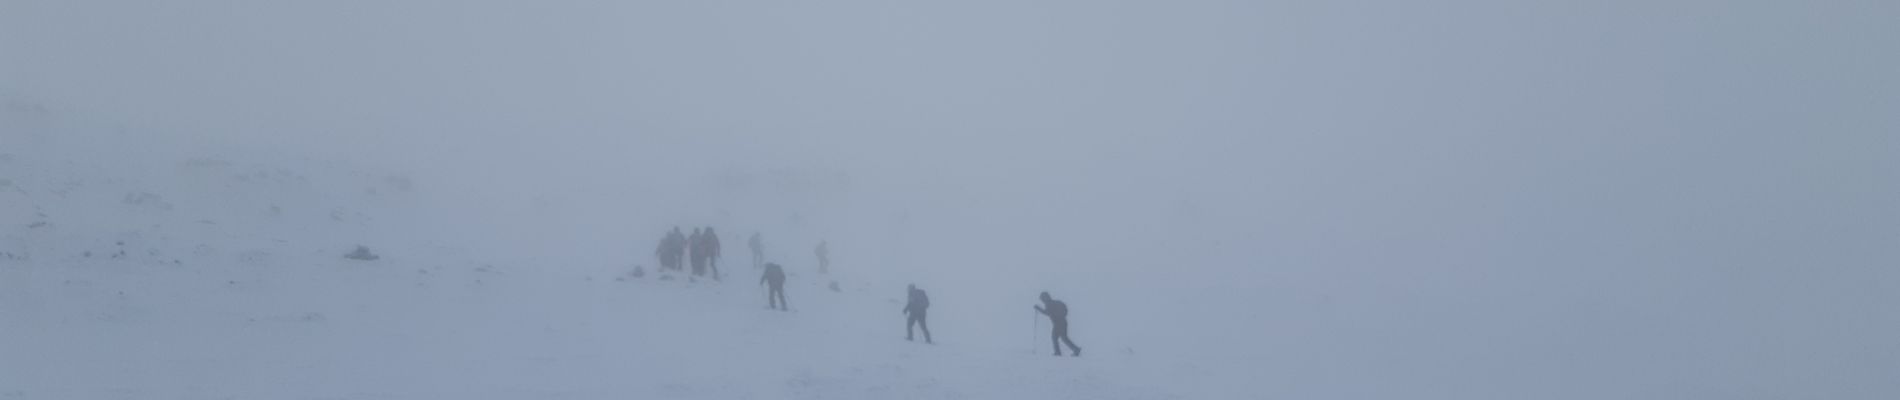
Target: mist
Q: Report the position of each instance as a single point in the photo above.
(1467, 199)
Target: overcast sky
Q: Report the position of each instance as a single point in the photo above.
(1716, 168)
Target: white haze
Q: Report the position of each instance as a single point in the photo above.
(1467, 199)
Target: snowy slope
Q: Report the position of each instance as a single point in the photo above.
(136, 263)
(142, 270)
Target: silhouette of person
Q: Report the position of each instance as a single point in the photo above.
(712, 251)
(1058, 317)
(758, 251)
(824, 258)
(678, 252)
(918, 306)
(696, 251)
(775, 276)
(665, 251)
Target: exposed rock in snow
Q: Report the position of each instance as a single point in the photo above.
(362, 253)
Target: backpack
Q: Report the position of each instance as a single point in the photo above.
(919, 300)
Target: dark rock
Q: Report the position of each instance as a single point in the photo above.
(361, 253)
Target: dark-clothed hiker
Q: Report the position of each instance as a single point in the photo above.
(775, 276)
(678, 253)
(758, 251)
(712, 252)
(696, 251)
(670, 249)
(824, 258)
(1059, 317)
(916, 309)
(665, 252)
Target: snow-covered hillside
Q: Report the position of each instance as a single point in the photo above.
(148, 269)
(136, 264)
(1235, 199)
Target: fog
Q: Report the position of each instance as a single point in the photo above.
(1613, 199)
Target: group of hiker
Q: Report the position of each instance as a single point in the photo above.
(917, 309)
(701, 249)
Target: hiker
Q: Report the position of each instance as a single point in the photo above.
(775, 276)
(712, 251)
(696, 251)
(1058, 317)
(916, 308)
(677, 251)
(669, 250)
(758, 251)
(824, 258)
(665, 251)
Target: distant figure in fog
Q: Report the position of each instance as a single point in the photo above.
(916, 308)
(1059, 317)
(679, 250)
(758, 250)
(671, 249)
(665, 251)
(696, 251)
(775, 276)
(824, 258)
(712, 252)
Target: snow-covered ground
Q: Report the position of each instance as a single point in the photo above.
(1236, 199)
(134, 265)
(322, 327)
(143, 269)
